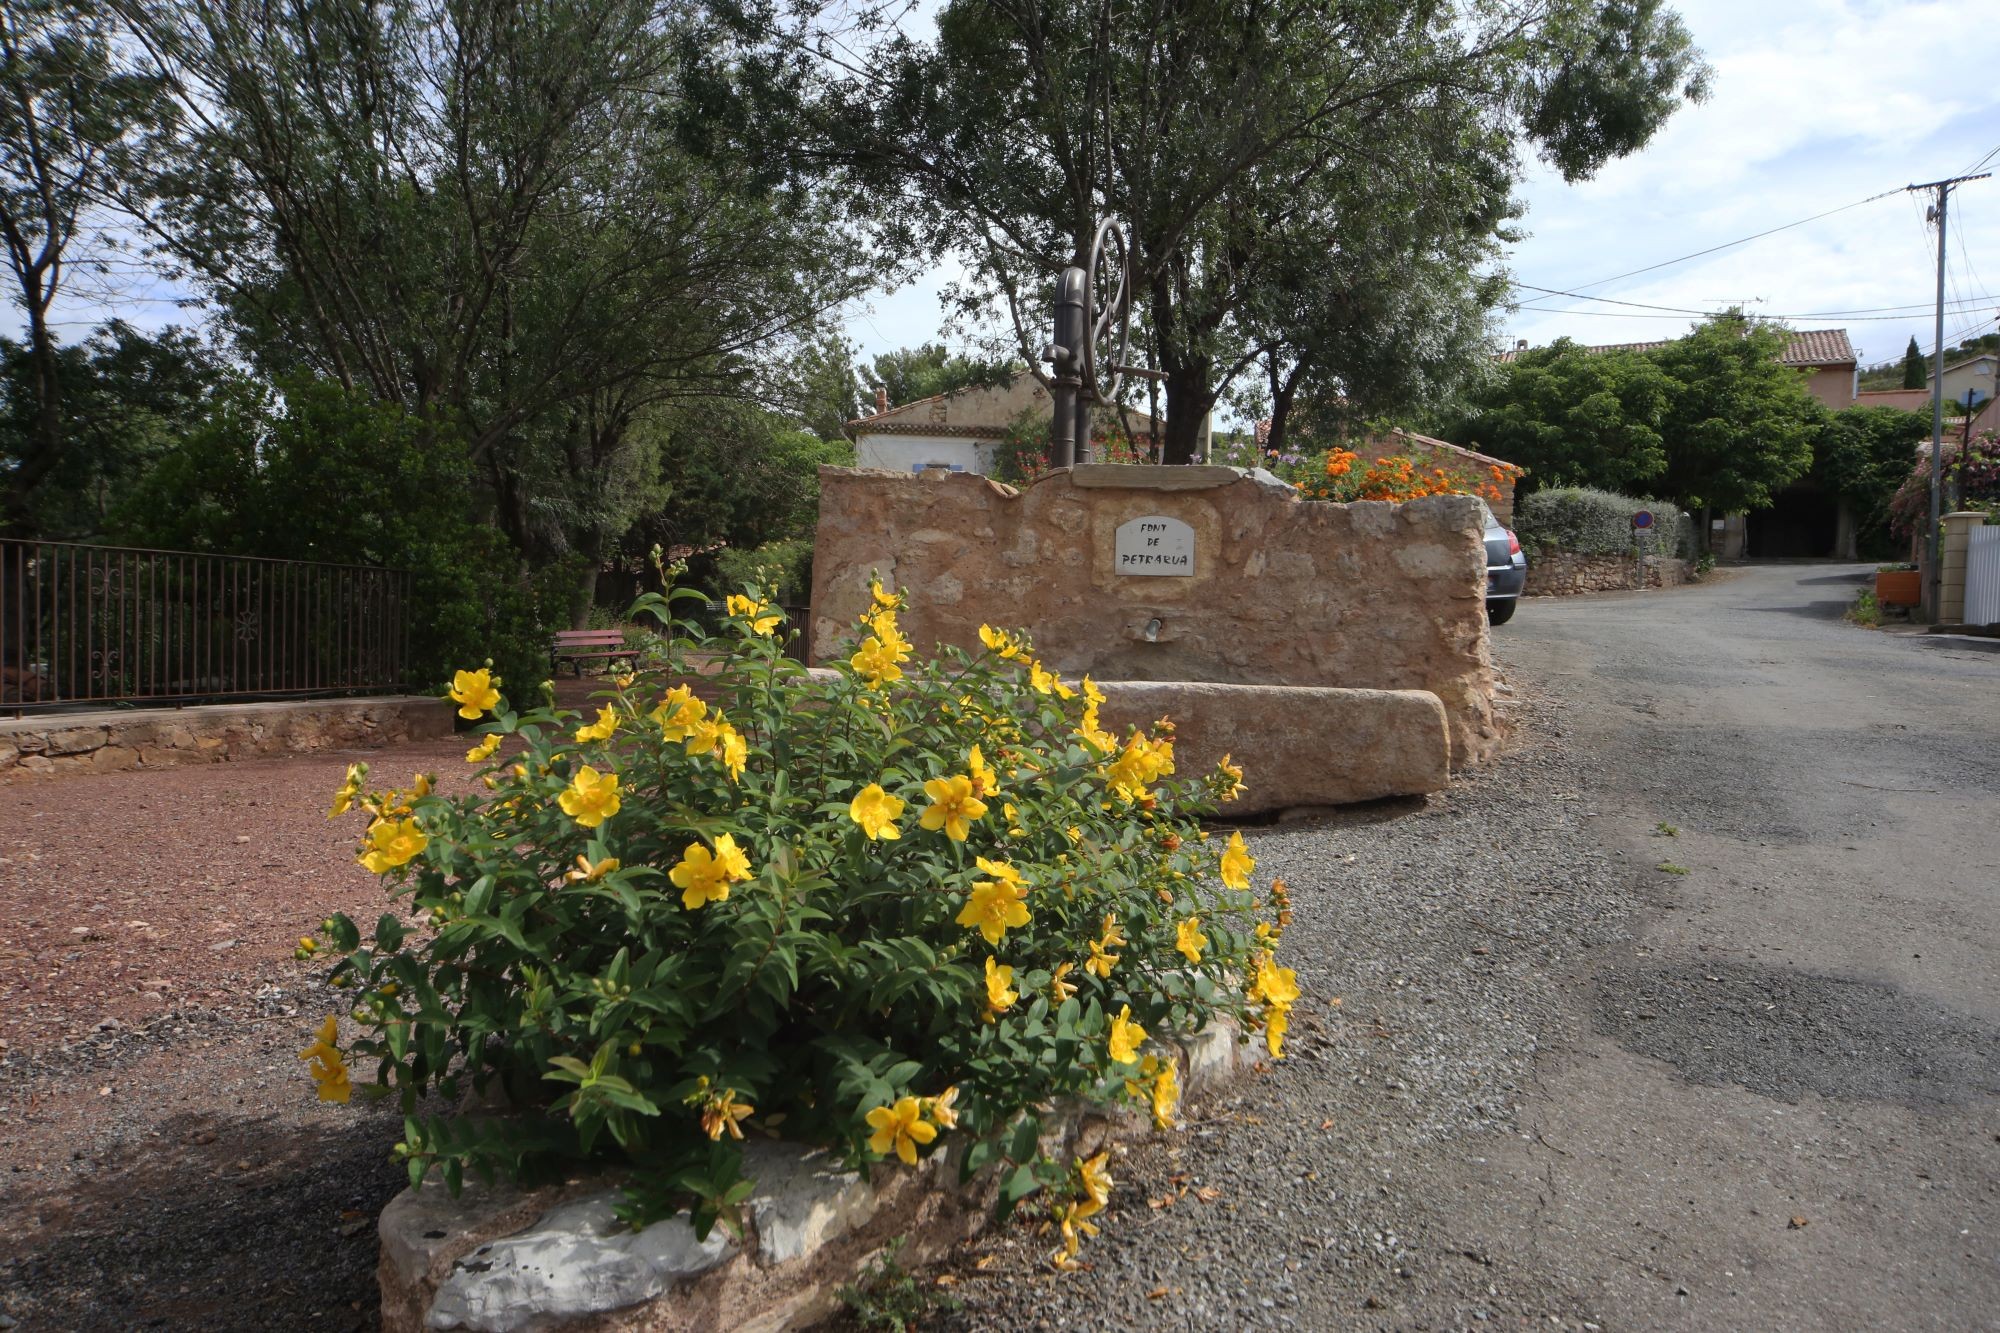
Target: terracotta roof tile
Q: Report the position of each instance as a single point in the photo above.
(1808, 347)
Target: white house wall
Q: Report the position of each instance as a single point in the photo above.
(914, 453)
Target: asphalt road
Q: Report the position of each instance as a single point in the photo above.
(1782, 1106)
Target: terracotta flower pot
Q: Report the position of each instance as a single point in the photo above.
(1898, 588)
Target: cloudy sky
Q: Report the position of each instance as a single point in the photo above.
(1817, 104)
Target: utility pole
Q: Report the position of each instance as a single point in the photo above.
(1938, 210)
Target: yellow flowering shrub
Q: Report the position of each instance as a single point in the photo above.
(898, 908)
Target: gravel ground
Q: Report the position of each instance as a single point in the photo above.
(163, 1161)
(172, 1170)
(1434, 941)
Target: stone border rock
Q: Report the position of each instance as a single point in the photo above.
(501, 1260)
(106, 741)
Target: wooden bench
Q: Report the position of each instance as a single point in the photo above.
(577, 646)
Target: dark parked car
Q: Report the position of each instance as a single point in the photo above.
(1506, 569)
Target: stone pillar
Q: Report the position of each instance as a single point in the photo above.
(1951, 553)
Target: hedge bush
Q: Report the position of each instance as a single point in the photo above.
(915, 901)
(1584, 521)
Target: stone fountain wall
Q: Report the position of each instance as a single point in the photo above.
(1262, 588)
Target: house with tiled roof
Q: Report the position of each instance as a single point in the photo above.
(1973, 376)
(1826, 354)
(961, 431)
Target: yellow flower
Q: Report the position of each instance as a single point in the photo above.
(1237, 863)
(483, 751)
(473, 692)
(876, 810)
(721, 1111)
(953, 806)
(941, 1108)
(1000, 995)
(1013, 818)
(588, 871)
(1126, 1037)
(1101, 958)
(325, 1064)
(392, 843)
(1275, 1024)
(623, 679)
(735, 752)
(759, 613)
(591, 797)
(678, 713)
(600, 730)
(899, 1129)
(1230, 779)
(705, 736)
(985, 782)
(1190, 941)
(1058, 987)
(1046, 681)
(704, 877)
(343, 800)
(1000, 641)
(876, 662)
(992, 907)
(1000, 870)
(1095, 1177)
(1274, 984)
(1166, 1094)
(1143, 763)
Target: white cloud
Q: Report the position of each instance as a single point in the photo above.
(1817, 105)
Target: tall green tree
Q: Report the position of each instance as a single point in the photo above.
(72, 116)
(1738, 425)
(1862, 455)
(1916, 370)
(909, 373)
(527, 225)
(1575, 417)
(128, 398)
(1221, 133)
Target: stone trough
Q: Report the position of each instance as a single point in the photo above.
(501, 1260)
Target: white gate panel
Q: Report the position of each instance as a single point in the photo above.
(1982, 577)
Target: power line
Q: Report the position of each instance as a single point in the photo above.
(1887, 311)
(1743, 240)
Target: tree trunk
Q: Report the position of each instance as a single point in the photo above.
(45, 449)
(1188, 404)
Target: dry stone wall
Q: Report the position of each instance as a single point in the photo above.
(1275, 590)
(1565, 573)
(48, 744)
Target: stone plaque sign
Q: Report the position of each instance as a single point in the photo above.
(1154, 544)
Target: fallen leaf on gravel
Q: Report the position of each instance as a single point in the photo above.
(947, 1279)
(1180, 1179)
(1157, 1294)
(1208, 1194)
(1326, 1124)
(1796, 1223)
(1163, 1201)
(986, 1261)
